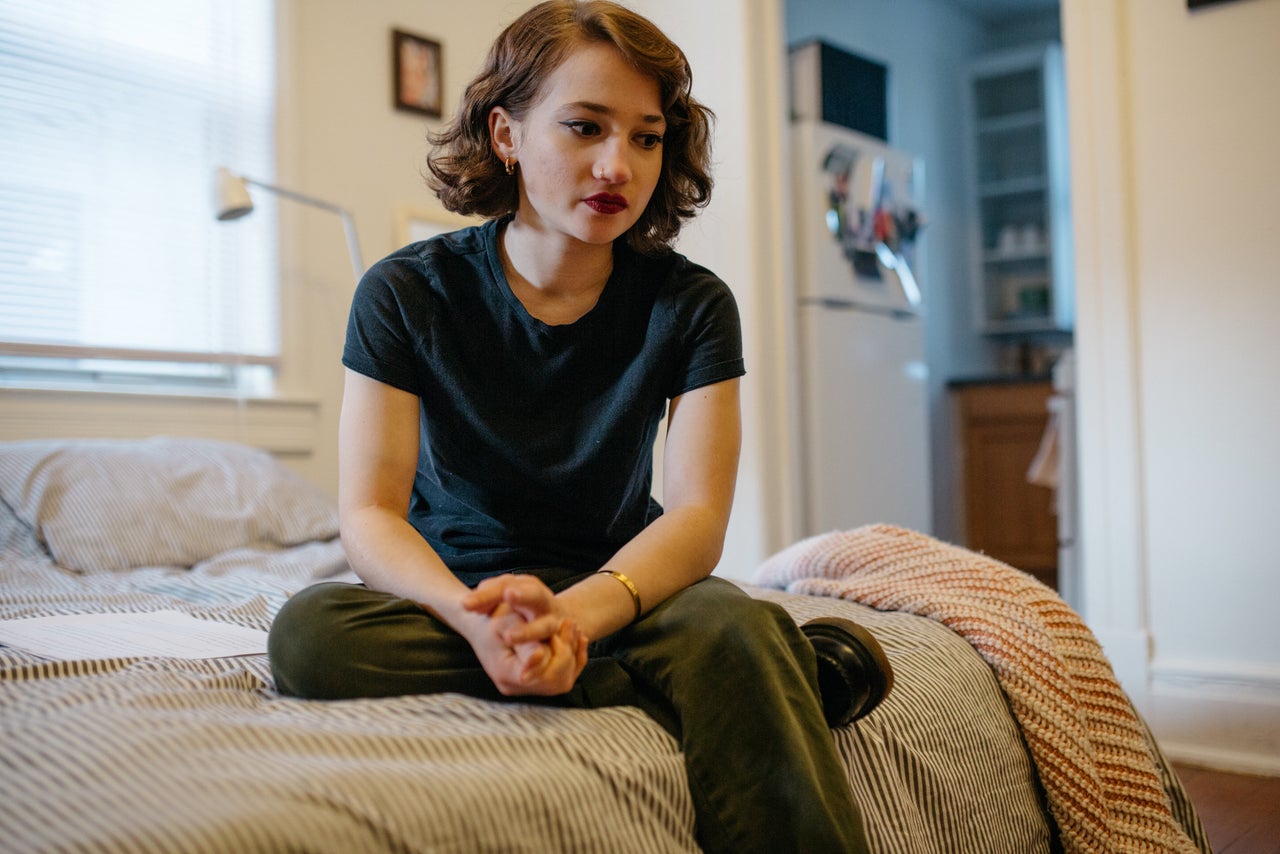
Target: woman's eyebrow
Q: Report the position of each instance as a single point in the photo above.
(591, 106)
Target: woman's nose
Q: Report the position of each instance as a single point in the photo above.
(612, 165)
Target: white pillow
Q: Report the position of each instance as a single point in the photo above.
(118, 504)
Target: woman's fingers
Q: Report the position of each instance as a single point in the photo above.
(556, 673)
(537, 629)
(542, 650)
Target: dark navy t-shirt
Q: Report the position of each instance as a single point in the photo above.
(536, 441)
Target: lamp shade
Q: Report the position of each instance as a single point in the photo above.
(233, 200)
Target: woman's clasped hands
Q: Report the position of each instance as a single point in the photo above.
(528, 643)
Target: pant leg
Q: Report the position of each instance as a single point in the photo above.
(742, 681)
(340, 641)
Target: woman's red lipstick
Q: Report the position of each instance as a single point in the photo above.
(606, 203)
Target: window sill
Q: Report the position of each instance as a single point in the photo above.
(282, 426)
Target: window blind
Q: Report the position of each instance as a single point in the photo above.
(114, 115)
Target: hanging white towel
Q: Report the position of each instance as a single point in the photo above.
(1044, 468)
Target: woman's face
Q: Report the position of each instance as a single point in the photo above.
(590, 149)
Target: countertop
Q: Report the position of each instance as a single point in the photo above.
(999, 379)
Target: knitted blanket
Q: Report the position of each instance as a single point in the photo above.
(1089, 747)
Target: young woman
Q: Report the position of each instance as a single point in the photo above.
(505, 384)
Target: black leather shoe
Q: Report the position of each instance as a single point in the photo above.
(853, 672)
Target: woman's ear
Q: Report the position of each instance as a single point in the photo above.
(502, 134)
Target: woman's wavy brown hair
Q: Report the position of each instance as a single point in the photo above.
(469, 179)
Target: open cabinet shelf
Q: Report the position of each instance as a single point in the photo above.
(1022, 234)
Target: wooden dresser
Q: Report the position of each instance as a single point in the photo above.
(1001, 424)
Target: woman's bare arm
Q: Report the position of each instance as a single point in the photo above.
(700, 467)
(377, 461)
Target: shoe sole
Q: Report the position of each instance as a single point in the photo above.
(867, 679)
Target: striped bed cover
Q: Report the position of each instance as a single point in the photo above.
(202, 756)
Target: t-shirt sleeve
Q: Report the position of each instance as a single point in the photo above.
(379, 343)
(712, 333)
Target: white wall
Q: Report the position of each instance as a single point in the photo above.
(927, 45)
(1174, 126)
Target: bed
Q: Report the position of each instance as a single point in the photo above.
(201, 755)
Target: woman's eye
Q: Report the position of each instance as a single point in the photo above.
(650, 140)
(582, 128)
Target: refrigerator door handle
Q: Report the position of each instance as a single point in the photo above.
(898, 264)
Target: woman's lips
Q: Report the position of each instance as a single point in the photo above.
(606, 203)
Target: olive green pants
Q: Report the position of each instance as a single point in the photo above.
(730, 677)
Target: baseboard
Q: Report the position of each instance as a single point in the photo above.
(1217, 714)
(1215, 759)
(1197, 677)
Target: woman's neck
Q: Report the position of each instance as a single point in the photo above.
(557, 281)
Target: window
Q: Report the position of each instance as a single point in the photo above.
(114, 115)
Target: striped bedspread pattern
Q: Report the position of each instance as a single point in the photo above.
(1106, 786)
(162, 755)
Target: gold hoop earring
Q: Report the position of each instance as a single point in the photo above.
(511, 167)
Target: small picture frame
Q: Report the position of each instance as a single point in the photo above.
(416, 74)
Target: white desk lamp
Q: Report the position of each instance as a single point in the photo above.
(234, 202)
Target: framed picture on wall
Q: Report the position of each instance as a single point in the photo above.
(416, 74)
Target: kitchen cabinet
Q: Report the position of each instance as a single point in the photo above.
(1006, 517)
(1022, 219)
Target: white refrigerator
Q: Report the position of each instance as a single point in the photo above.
(863, 383)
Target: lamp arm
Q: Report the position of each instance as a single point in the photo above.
(348, 224)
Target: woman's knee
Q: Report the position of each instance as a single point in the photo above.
(309, 629)
(720, 618)
(306, 615)
(722, 605)
(338, 641)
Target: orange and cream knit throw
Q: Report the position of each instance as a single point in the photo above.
(1087, 743)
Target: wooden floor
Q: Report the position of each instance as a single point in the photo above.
(1241, 814)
